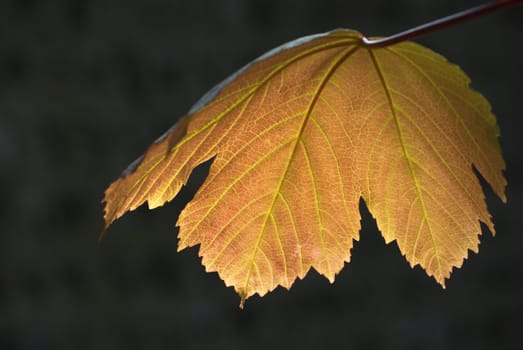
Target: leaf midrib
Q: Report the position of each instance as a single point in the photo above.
(315, 97)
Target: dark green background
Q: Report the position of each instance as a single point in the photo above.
(86, 86)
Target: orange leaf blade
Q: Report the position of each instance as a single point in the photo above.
(299, 136)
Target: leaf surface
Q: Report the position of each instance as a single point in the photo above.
(299, 135)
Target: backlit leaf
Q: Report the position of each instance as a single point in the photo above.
(299, 135)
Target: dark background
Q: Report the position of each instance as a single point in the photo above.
(86, 86)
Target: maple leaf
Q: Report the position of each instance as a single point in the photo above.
(299, 135)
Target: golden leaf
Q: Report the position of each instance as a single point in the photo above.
(299, 135)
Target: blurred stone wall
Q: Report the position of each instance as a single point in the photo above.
(86, 86)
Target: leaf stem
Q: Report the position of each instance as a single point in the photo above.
(440, 23)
